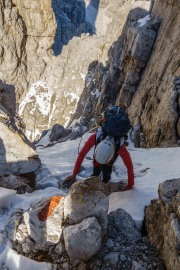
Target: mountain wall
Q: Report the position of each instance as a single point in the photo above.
(142, 74)
(30, 58)
(155, 105)
(63, 72)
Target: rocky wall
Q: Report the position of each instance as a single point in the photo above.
(155, 105)
(162, 220)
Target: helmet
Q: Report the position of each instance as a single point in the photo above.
(104, 151)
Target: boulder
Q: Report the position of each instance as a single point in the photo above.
(86, 199)
(19, 183)
(58, 132)
(17, 155)
(124, 223)
(83, 240)
(38, 228)
(44, 222)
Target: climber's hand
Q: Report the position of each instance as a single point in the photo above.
(126, 187)
(67, 183)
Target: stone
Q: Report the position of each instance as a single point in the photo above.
(110, 243)
(111, 259)
(39, 228)
(124, 223)
(82, 240)
(19, 183)
(57, 133)
(86, 199)
(137, 266)
(12, 159)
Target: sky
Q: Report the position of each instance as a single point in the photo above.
(151, 167)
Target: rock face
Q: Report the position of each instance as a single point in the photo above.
(156, 103)
(162, 223)
(127, 59)
(71, 21)
(134, 80)
(93, 71)
(39, 38)
(12, 47)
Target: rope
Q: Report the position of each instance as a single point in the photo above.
(84, 136)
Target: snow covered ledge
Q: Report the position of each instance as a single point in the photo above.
(14, 261)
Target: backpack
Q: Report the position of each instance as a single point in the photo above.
(115, 122)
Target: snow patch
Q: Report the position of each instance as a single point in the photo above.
(39, 96)
(95, 93)
(13, 261)
(83, 76)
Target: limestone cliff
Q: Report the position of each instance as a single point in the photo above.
(43, 32)
(137, 67)
(142, 74)
(156, 103)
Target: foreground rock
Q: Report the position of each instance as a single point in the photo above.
(73, 225)
(163, 223)
(87, 199)
(69, 233)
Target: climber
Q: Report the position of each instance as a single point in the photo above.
(107, 149)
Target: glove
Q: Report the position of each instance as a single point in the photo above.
(126, 187)
(67, 183)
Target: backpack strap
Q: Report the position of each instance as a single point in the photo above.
(100, 135)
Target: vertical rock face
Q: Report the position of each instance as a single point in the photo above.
(128, 57)
(156, 103)
(71, 21)
(12, 46)
(163, 223)
(38, 17)
(143, 74)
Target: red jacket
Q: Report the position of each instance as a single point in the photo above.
(123, 152)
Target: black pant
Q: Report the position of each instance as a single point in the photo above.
(105, 170)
